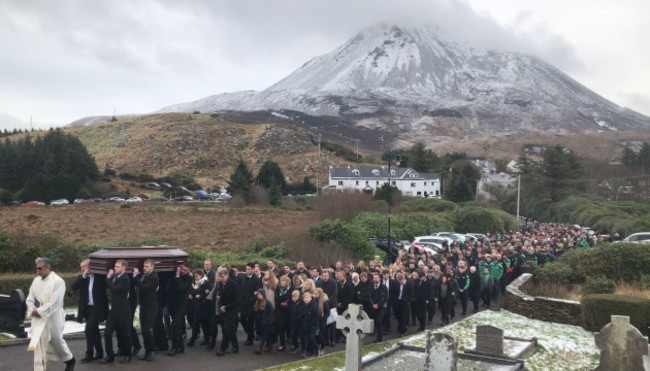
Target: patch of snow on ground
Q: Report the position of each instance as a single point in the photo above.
(276, 114)
(605, 124)
(560, 347)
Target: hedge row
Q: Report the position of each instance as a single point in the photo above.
(598, 309)
(10, 282)
(615, 261)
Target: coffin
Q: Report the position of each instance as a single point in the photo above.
(167, 258)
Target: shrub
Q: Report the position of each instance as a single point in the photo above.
(472, 218)
(598, 285)
(428, 205)
(556, 273)
(598, 309)
(347, 235)
(10, 282)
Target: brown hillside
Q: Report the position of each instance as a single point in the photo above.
(205, 147)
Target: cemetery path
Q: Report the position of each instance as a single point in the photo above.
(16, 357)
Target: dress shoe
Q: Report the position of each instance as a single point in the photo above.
(69, 365)
(233, 351)
(204, 342)
(125, 359)
(108, 359)
(190, 343)
(220, 353)
(172, 352)
(281, 348)
(87, 359)
(136, 350)
(99, 356)
(248, 342)
(150, 356)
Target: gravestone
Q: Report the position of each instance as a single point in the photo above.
(441, 352)
(489, 340)
(355, 324)
(12, 313)
(622, 346)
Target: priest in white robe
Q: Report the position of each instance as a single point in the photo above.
(45, 307)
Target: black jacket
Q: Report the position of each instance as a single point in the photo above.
(393, 290)
(230, 296)
(379, 296)
(422, 290)
(119, 293)
(148, 286)
(331, 289)
(178, 292)
(248, 288)
(100, 299)
(346, 295)
(407, 292)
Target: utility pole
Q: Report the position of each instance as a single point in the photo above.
(357, 140)
(518, 193)
(318, 145)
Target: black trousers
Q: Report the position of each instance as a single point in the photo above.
(402, 313)
(248, 322)
(159, 332)
(420, 309)
(378, 315)
(386, 321)
(120, 323)
(93, 337)
(214, 328)
(229, 331)
(178, 326)
(147, 317)
(431, 309)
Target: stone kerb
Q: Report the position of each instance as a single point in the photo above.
(541, 308)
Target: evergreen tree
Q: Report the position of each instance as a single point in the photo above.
(269, 174)
(464, 177)
(388, 193)
(629, 158)
(240, 181)
(275, 192)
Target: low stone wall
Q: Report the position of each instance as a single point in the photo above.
(541, 308)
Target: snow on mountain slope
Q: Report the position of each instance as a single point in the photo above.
(425, 83)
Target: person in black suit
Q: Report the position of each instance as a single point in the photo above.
(119, 318)
(391, 286)
(330, 288)
(179, 292)
(378, 303)
(209, 272)
(346, 295)
(403, 298)
(93, 307)
(148, 283)
(227, 303)
(251, 283)
(422, 294)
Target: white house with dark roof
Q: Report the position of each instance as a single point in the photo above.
(369, 179)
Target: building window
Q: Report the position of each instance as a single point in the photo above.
(377, 182)
(340, 182)
(413, 185)
(355, 172)
(392, 172)
(419, 193)
(425, 184)
(367, 182)
(393, 183)
(356, 182)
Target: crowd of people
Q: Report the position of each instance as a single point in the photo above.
(285, 308)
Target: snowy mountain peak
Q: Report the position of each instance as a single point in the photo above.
(426, 86)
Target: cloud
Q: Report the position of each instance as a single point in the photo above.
(67, 59)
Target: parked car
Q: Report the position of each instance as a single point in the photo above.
(639, 237)
(114, 199)
(203, 195)
(98, 199)
(183, 198)
(431, 248)
(32, 203)
(154, 185)
(59, 202)
(134, 199)
(79, 201)
(433, 239)
(224, 197)
(159, 199)
(476, 236)
(452, 235)
(166, 185)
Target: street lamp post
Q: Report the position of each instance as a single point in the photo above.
(390, 200)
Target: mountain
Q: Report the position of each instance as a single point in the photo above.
(413, 83)
(92, 120)
(9, 122)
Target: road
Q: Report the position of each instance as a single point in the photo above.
(16, 357)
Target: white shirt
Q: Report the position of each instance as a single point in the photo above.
(91, 300)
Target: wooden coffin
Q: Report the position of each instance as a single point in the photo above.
(167, 258)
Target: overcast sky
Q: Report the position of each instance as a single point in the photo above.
(66, 59)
